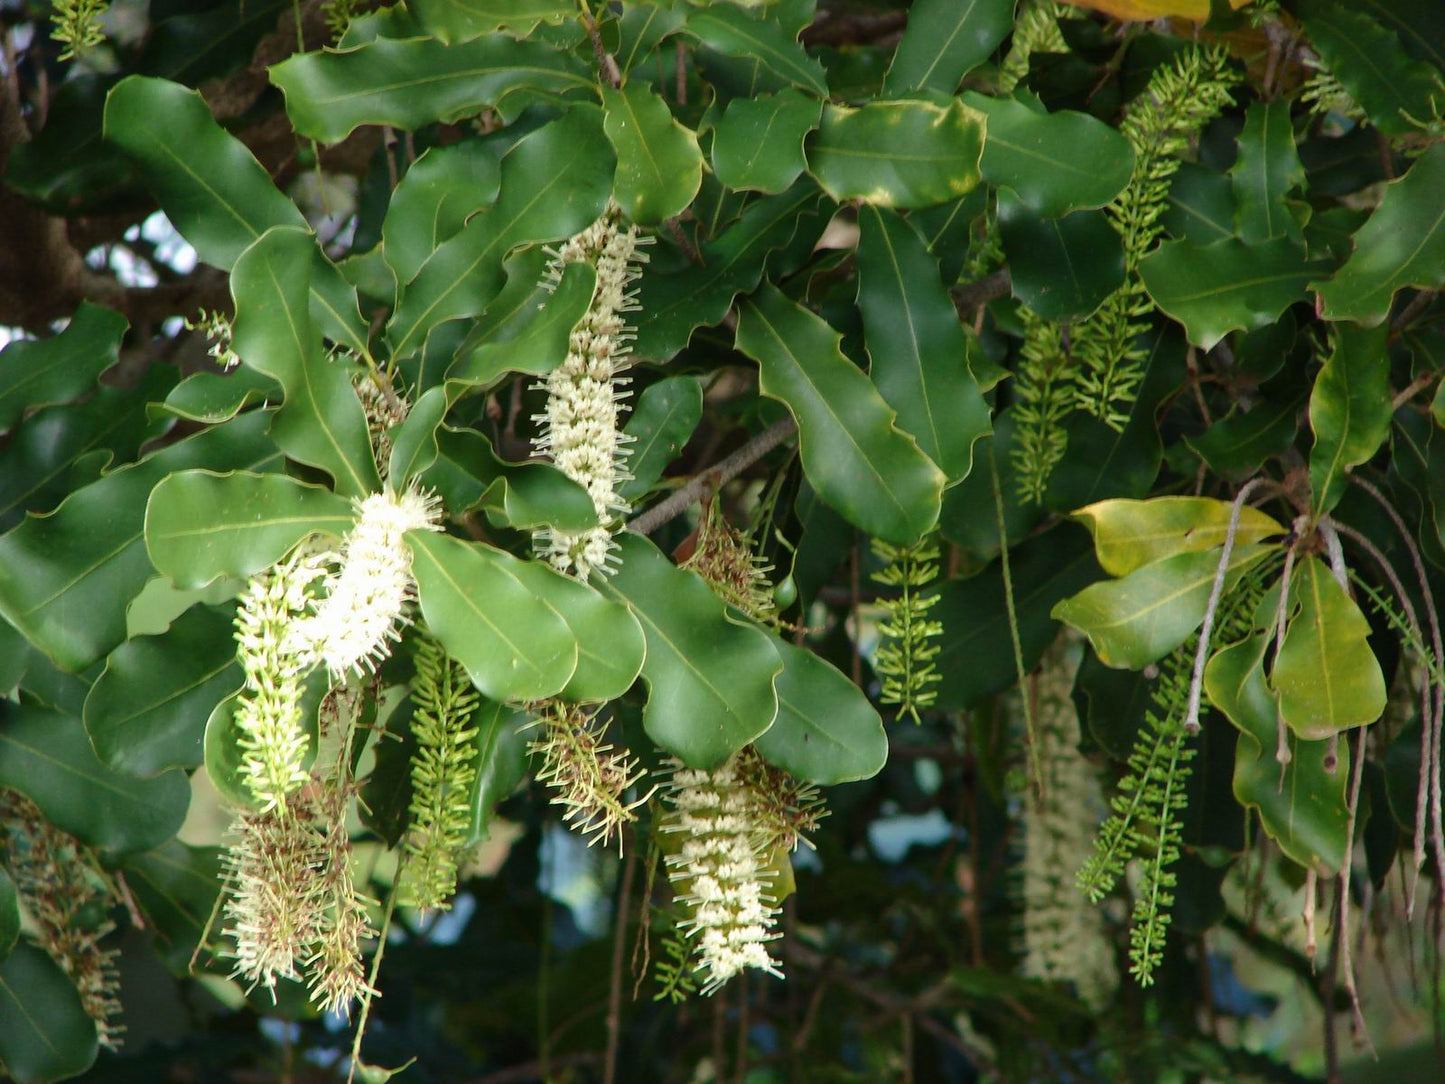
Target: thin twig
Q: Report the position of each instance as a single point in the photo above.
(1013, 627)
(1281, 748)
(614, 993)
(970, 295)
(369, 994)
(1357, 773)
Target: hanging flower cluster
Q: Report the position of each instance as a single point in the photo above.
(589, 777)
(580, 427)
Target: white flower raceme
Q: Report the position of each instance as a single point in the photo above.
(275, 655)
(720, 874)
(580, 428)
(367, 596)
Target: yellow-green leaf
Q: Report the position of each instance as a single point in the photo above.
(1129, 534)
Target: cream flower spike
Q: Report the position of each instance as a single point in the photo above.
(584, 394)
(367, 596)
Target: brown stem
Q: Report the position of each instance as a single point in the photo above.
(614, 993)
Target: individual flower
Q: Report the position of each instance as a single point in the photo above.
(367, 595)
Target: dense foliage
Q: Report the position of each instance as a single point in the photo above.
(748, 540)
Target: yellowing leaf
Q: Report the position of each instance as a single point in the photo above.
(1129, 534)
(1152, 9)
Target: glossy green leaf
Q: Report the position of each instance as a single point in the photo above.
(826, 731)
(66, 579)
(514, 645)
(860, 464)
(555, 182)
(48, 758)
(175, 887)
(1201, 206)
(219, 397)
(66, 167)
(1267, 168)
(9, 915)
(414, 444)
(413, 82)
(641, 29)
(1054, 162)
(897, 154)
(321, 422)
(1061, 268)
(500, 763)
(200, 525)
(1141, 617)
(916, 344)
(147, 711)
(1301, 806)
(45, 1033)
(1349, 410)
(945, 40)
(469, 474)
(728, 29)
(661, 423)
(1130, 534)
(1326, 677)
(1229, 285)
(709, 678)
(1367, 60)
(758, 142)
(462, 20)
(433, 201)
(1402, 244)
(675, 304)
(1238, 444)
(659, 165)
(36, 373)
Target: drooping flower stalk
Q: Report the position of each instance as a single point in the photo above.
(589, 777)
(580, 428)
(335, 965)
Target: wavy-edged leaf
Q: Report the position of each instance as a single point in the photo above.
(147, 710)
(175, 887)
(45, 1032)
(1267, 168)
(1238, 444)
(1062, 268)
(641, 29)
(1349, 410)
(1402, 244)
(945, 40)
(200, 524)
(1129, 534)
(1054, 162)
(468, 474)
(758, 142)
(826, 731)
(1201, 205)
(916, 344)
(897, 153)
(413, 82)
(219, 397)
(48, 758)
(859, 463)
(661, 423)
(659, 165)
(709, 679)
(1141, 617)
(1326, 677)
(728, 29)
(514, 645)
(462, 20)
(66, 579)
(40, 372)
(433, 201)
(321, 423)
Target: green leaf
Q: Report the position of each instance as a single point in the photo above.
(916, 343)
(1215, 289)
(1141, 617)
(709, 679)
(414, 445)
(147, 711)
(859, 463)
(462, 20)
(433, 201)
(1402, 244)
(1201, 206)
(1054, 162)
(555, 182)
(662, 421)
(514, 645)
(1366, 59)
(1267, 168)
(1325, 675)
(45, 1034)
(674, 305)
(66, 579)
(1301, 806)
(321, 422)
(200, 525)
(56, 370)
(9, 915)
(758, 142)
(897, 154)
(944, 41)
(1349, 410)
(728, 29)
(1130, 534)
(642, 28)
(468, 474)
(826, 732)
(1062, 268)
(659, 165)
(66, 167)
(500, 763)
(414, 82)
(219, 397)
(47, 757)
(1238, 444)
(175, 887)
